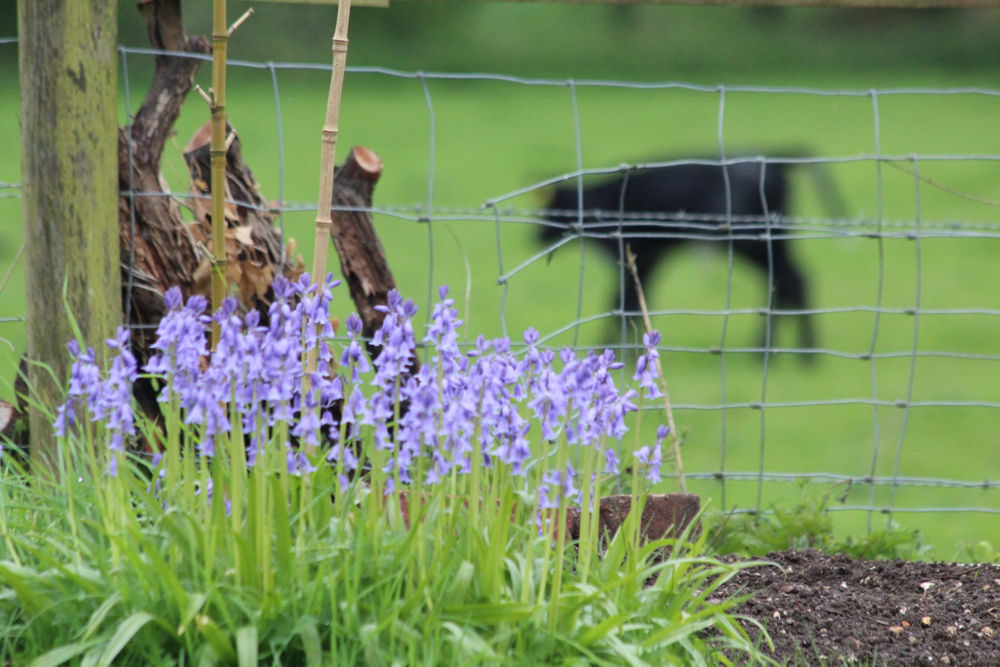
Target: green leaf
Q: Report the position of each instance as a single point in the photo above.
(61, 654)
(195, 604)
(676, 632)
(600, 631)
(19, 578)
(469, 646)
(461, 582)
(127, 629)
(246, 646)
(311, 644)
(216, 638)
(100, 614)
(491, 614)
(282, 531)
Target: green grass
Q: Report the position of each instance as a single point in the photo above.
(208, 557)
(492, 138)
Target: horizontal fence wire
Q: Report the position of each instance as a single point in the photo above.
(616, 227)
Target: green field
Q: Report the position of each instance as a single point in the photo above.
(491, 138)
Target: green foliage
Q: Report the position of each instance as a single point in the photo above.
(183, 558)
(584, 40)
(982, 551)
(85, 578)
(808, 524)
(524, 133)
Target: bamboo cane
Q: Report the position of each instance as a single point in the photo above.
(216, 98)
(323, 218)
(220, 40)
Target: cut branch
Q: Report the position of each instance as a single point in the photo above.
(157, 248)
(363, 264)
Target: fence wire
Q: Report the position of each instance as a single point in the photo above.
(519, 265)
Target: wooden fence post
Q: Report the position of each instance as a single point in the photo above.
(69, 139)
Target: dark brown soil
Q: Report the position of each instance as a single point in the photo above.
(832, 610)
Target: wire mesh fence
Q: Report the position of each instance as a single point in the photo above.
(895, 400)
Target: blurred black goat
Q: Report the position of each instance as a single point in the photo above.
(660, 208)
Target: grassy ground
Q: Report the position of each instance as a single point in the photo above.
(491, 138)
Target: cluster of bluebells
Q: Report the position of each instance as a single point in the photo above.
(108, 399)
(425, 426)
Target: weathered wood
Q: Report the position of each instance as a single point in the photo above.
(362, 258)
(252, 242)
(363, 264)
(164, 250)
(68, 73)
(158, 249)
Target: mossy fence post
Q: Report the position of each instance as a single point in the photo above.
(69, 167)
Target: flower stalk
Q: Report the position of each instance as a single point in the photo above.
(453, 476)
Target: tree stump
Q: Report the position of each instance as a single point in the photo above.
(159, 250)
(254, 254)
(363, 264)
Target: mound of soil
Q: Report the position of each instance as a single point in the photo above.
(823, 609)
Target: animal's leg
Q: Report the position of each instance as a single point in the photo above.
(791, 292)
(787, 283)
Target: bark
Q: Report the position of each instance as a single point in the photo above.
(157, 248)
(363, 264)
(67, 66)
(254, 254)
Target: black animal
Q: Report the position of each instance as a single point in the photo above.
(656, 210)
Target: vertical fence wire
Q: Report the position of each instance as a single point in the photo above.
(429, 211)
(876, 231)
(129, 118)
(880, 286)
(766, 359)
(578, 143)
(280, 136)
(918, 281)
(727, 219)
(623, 263)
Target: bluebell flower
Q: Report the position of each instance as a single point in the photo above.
(611, 463)
(257, 373)
(653, 456)
(645, 372)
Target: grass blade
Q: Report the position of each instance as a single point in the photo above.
(61, 654)
(246, 646)
(127, 629)
(311, 643)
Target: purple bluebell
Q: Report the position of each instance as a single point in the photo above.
(645, 371)
(653, 456)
